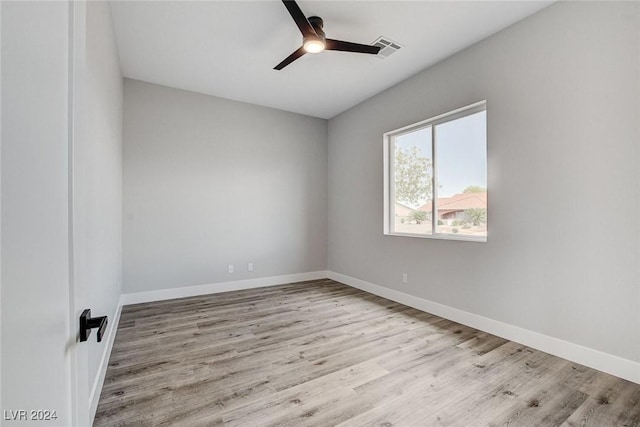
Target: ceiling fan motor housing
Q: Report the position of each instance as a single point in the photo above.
(317, 23)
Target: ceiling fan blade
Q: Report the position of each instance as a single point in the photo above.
(289, 59)
(351, 47)
(301, 21)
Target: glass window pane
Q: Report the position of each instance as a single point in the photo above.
(461, 164)
(412, 173)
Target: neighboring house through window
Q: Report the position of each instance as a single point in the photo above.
(438, 165)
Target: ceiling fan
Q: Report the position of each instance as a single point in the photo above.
(313, 37)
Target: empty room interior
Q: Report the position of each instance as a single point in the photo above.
(320, 213)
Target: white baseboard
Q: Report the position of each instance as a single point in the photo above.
(213, 288)
(595, 359)
(96, 389)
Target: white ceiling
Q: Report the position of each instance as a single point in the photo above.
(229, 48)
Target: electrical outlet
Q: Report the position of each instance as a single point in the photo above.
(250, 266)
(230, 268)
(405, 278)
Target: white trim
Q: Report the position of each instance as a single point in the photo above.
(213, 288)
(441, 236)
(595, 359)
(388, 213)
(1, 406)
(476, 107)
(96, 389)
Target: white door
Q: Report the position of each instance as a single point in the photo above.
(40, 369)
(61, 207)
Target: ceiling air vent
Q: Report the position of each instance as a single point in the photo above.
(387, 47)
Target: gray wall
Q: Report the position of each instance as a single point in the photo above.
(35, 199)
(210, 182)
(563, 251)
(97, 165)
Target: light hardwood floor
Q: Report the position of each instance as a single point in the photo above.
(323, 354)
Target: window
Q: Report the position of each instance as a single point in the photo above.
(436, 177)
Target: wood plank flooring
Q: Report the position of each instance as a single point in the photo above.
(323, 354)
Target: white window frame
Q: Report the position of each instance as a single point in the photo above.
(389, 197)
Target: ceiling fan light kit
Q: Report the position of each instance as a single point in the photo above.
(313, 46)
(314, 39)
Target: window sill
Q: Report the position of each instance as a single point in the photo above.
(476, 239)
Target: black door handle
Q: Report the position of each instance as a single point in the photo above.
(87, 323)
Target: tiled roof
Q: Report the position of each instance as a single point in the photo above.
(459, 202)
